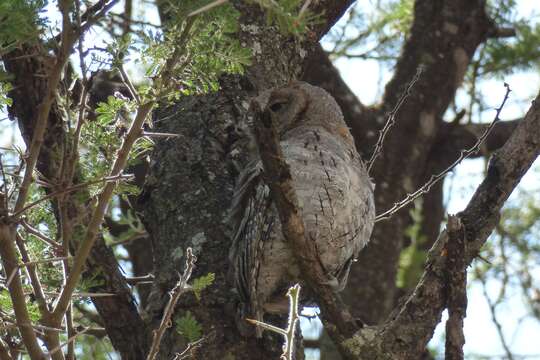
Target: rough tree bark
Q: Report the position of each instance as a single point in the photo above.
(443, 39)
(190, 183)
(191, 178)
(189, 186)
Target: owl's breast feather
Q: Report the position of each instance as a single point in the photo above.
(334, 193)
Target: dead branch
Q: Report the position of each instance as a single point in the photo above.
(289, 333)
(417, 317)
(392, 119)
(174, 295)
(435, 178)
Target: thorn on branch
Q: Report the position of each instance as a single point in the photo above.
(392, 119)
(435, 178)
(288, 334)
(174, 295)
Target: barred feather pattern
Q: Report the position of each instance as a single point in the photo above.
(335, 197)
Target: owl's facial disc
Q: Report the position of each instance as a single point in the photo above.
(286, 107)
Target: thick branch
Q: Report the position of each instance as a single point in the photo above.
(406, 334)
(443, 38)
(11, 268)
(456, 273)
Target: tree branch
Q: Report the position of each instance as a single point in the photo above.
(10, 264)
(174, 295)
(456, 273)
(411, 326)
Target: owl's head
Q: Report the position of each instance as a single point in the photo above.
(302, 104)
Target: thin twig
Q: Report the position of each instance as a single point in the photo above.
(191, 346)
(289, 333)
(29, 229)
(6, 191)
(71, 189)
(35, 282)
(180, 288)
(493, 311)
(70, 340)
(43, 261)
(153, 134)
(304, 8)
(392, 119)
(435, 178)
(37, 327)
(135, 280)
(84, 294)
(126, 80)
(207, 7)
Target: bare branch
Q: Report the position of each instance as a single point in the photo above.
(73, 188)
(29, 229)
(157, 135)
(435, 178)
(289, 333)
(207, 7)
(33, 275)
(180, 288)
(187, 352)
(43, 261)
(69, 341)
(493, 311)
(392, 119)
(456, 273)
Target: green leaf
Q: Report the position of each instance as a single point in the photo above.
(19, 22)
(188, 327)
(201, 283)
(5, 87)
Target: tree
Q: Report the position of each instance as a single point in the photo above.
(85, 130)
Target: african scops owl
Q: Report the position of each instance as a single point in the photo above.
(334, 192)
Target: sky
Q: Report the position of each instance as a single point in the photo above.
(362, 76)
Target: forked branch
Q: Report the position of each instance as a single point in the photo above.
(174, 295)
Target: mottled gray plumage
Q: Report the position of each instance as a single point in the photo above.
(334, 193)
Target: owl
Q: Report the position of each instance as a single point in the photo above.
(334, 192)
